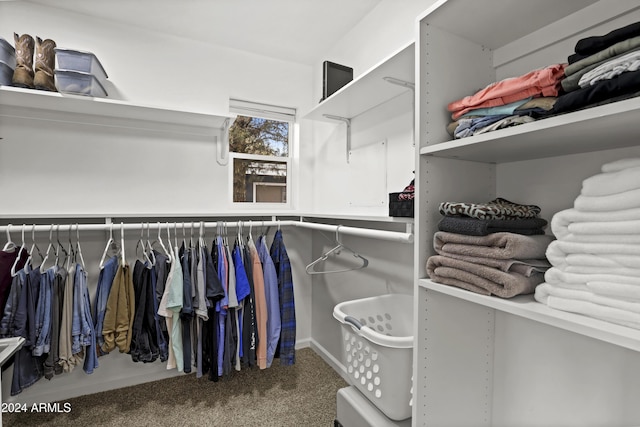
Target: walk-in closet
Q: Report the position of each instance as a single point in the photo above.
(325, 213)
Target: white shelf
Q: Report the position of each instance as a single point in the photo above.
(54, 106)
(577, 132)
(370, 89)
(527, 307)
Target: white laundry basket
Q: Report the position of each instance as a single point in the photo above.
(377, 343)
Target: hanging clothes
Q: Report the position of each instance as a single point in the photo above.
(52, 364)
(260, 306)
(105, 281)
(170, 307)
(158, 285)
(7, 259)
(287, 303)
(67, 361)
(242, 292)
(144, 345)
(27, 368)
(215, 293)
(249, 316)
(43, 313)
(119, 314)
(186, 312)
(272, 297)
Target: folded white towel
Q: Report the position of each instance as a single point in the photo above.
(622, 287)
(608, 183)
(585, 303)
(556, 275)
(613, 220)
(561, 247)
(584, 293)
(625, 200)
(616, 165)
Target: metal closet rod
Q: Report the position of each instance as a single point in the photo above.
(395, 236)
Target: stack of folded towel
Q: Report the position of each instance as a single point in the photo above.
(596, 259)
(494, 248)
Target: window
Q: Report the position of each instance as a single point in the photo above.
(260, 149)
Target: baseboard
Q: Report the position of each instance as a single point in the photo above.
(330, 359)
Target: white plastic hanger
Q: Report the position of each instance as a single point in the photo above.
(164, 248)
(34, 246)
(10, 245)
(107, 246)
(46, 255)
(141, 243)
(311, 268)
(78, 247)
(150, 254)
(124, 260)
(17, 260)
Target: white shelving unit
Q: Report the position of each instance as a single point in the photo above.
(486, 361)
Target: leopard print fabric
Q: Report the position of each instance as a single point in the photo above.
(495, 209)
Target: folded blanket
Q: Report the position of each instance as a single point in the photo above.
(562, 220)
(585, 303)
(526, 267)
(614, 202)
(498, 208)
(609, 183)
(482, 227)
(496, 245)
(480, 278)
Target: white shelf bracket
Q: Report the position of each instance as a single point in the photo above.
(222, 143)
(411, 86)
(348, 122)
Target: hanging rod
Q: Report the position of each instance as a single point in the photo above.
(395, 236)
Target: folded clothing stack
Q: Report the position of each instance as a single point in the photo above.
(505, 103)
(596, 257)
(495, 248)
(603, 69)
(7, 62)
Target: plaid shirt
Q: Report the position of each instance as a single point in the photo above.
(287, 305)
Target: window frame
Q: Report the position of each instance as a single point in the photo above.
(268, 112)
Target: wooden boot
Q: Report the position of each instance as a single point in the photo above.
(45, 63)
(23, 73)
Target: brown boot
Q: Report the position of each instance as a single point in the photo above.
(45, 62)
(23, 74)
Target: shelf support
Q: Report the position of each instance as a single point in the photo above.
(222, 149)
(411, 86)
(348, 122)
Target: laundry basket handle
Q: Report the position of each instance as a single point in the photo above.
(353, 321)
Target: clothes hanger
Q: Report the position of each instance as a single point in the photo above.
(46, 255)
(311, 268)
(164, 248)
(17, 260)
(201, 238)
(150, 254)
(140, 243)
(10, 246)
(107, 246)
(34, 245)
(59, 247)
(124, 260)
(78, 247)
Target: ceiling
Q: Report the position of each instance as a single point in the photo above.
(294, 30)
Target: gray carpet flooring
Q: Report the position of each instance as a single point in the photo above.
(300, 395)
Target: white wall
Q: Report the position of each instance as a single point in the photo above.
(362, 186)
